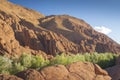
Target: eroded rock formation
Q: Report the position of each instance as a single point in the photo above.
(25, 30)
(80, 33)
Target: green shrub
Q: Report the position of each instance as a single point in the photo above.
(25, 60)
(66, 59)
(104, 60)
(16, 64)
(38, 62)
(17, 67)
(5, 64)
(59, 59)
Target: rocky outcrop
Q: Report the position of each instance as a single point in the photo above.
(11, 26)
(74, 71)
(9, 36)
(80, 33)
(55, 43)
(58, 72)
(9, 77)
(30, 75)
(21, 12)
(27, 36)
(8, 44)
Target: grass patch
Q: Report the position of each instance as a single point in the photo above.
(25, 61)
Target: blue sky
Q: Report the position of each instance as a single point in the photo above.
(102, 14)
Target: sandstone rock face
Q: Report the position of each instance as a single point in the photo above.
(28, 35)
(55, 43)
(8, 44)
(80, 33)
(75, 71)
(25, 30)
(9, 77)
(19, 11)
(15, 38)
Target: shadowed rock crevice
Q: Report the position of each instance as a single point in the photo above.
(114, 71)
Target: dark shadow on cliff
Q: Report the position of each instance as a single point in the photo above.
(23, 33)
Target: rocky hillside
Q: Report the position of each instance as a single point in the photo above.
(80, 33)
(25, 30)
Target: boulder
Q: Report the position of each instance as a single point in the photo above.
(75, 71)
(9, 77)
(58, 72)
(87, 71)
(30, 74)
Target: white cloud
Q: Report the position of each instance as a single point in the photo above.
(103, 29)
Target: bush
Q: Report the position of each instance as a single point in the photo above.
(66, 59)
(25, 60)
(16, 64)
(38, 62)
(17, 67)
(5, 65)
(104, 60)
